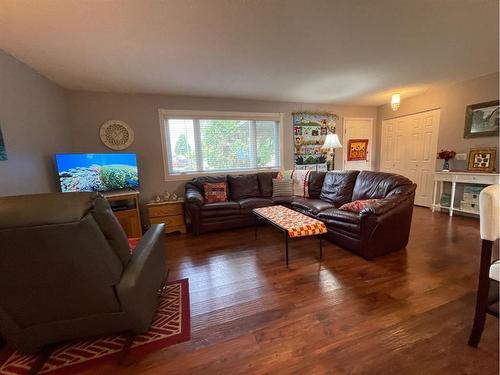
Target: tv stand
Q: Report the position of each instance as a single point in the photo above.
(125, 206)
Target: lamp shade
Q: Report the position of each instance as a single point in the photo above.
(331, 141)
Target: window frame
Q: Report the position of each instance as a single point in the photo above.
(165, 114)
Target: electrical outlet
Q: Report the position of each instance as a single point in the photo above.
(461, 156)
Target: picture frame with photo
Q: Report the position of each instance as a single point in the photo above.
(482, 120)
(3, 151)
(357, 149)
(482, 159)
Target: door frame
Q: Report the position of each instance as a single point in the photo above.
(371, 144)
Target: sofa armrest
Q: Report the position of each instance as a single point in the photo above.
(395, 198)
(194, 196)
(143, 277)
(381, 206)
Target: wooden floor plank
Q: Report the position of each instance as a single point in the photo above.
(409, 312)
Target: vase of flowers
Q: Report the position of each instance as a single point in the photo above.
(446, 155)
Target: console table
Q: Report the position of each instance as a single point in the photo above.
(469, 178)
(125, 206)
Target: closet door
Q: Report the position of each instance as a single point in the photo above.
(422, 148)
(387, 146)
(393, 146)
(409, 146)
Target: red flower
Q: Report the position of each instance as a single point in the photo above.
(446, 154)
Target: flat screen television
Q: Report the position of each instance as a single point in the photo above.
(97, 172)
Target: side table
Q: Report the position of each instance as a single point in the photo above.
(170, 213)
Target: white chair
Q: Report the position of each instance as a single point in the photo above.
(489, 273)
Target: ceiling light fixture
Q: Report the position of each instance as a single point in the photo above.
(395, 101)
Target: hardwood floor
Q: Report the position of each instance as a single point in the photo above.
(409, 312)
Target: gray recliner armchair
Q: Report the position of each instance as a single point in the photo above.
(66, 271)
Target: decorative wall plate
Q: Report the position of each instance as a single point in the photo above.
(116, 134)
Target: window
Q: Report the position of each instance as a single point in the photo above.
(199, 142)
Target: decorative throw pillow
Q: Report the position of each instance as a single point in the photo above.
(215, 192)
(357, 206)
(285, 175)
(300, 178)
(282, 188)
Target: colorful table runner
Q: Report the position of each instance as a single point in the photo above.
(295, 223)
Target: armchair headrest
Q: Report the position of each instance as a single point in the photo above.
(44, 209)
(489, 208)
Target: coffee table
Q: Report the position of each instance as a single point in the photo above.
(292, 223)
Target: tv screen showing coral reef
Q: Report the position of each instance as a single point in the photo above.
(97, 172)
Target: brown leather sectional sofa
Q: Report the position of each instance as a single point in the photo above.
(378, 229)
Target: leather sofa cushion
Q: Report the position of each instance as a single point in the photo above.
(316, 180)
(219, 209)
(350, 228)
(285, 200)
(377, 184)
(338, 187)
(337, 219)
(244, 186)
(311, 205)
(255, 202)
(334, 214)
(228, 205)
(266, 183)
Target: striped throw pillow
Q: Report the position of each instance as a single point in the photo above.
(282, 188)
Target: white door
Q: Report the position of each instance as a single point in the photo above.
(393, 146)
(358, 128)
(421, 162)
(409, 146)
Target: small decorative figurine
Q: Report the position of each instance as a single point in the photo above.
(174, 197)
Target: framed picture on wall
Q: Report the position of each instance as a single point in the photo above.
(482, 120)
(482, 159)
(357, 149)
(309, 133)
(3, 152)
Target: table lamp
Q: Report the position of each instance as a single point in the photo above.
(331, 142)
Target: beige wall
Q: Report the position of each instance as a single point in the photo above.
(39, 119)
(451, 100)
(88, 110)
(34, 125)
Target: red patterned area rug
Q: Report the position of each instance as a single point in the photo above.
(171, 325)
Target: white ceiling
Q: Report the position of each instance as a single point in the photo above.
(332, 51)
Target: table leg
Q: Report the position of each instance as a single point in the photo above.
(453, 189)
(256, 227)
(441, 189)
(286, 248)
(434, 196)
